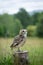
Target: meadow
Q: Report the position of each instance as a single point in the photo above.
(34, 46)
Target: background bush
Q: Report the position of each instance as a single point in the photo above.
(31, 30)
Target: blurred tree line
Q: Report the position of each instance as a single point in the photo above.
(10, 25)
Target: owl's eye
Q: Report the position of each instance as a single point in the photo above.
(23, 31)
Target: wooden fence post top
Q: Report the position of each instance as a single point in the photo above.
(19, 52)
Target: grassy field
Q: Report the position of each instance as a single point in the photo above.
(33, 45)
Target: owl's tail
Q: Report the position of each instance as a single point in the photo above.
(11, 46)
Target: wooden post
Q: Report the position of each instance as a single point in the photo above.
(21, 58)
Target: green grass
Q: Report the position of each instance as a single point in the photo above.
(33, 45)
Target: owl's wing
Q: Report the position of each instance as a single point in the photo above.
(14, 41)
(17, 41)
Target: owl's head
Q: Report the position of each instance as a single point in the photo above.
(23, 32)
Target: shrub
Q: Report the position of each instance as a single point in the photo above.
(31, 30)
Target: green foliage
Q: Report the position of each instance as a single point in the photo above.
(24, 17)
(31, 30)
(17, 27)
(36, 17)
(3, 31)
(40, 29)
(9, 26)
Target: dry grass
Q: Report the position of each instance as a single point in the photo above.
(33, 45)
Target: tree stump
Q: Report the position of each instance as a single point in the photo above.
(21, 58)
